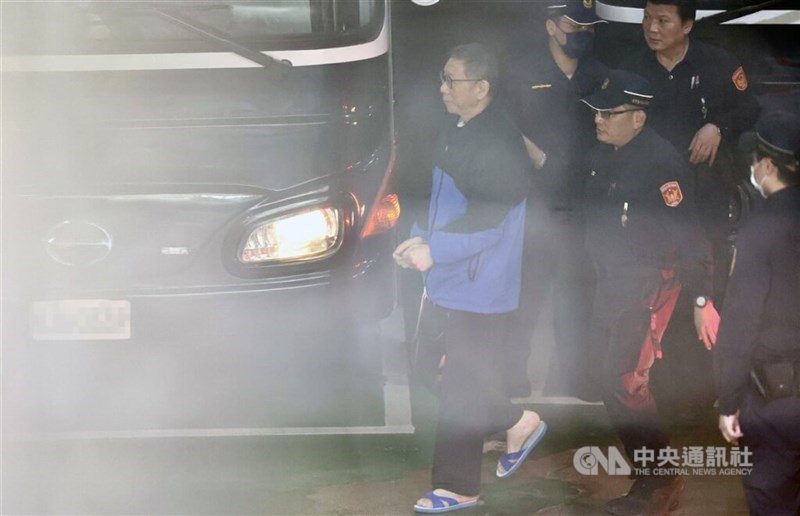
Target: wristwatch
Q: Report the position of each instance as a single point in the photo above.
(701, 301)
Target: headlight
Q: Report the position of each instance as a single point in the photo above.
(297, 237)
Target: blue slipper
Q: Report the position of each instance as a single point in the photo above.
(442, 504)
(512, 461)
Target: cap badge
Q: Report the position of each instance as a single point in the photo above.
(587, 4)
(672, 194)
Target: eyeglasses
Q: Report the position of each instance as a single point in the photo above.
(446, 79)
(605, 115)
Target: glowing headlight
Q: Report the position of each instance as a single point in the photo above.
(297, 237)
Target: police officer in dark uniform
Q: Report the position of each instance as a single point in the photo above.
(757, 360)
(643, 237)
(702, 104)
(543, 92)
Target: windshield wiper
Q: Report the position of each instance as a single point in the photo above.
(221, 41)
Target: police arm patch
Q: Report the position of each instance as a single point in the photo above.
(739, 79)
(672, 194)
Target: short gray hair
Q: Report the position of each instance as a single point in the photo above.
(479, 62)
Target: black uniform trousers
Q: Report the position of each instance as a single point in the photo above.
(772, 432)
(623, 349)
(683, 382)
(472, 404)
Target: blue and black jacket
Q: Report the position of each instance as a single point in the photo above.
(476, 217)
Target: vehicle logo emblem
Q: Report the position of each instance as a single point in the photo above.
(77, 243)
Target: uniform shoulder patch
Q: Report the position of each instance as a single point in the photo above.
(739, 79)
(672, 194)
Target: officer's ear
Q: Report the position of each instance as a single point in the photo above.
(550, 26)
(639, 118)
(770, 167)
(687, 27)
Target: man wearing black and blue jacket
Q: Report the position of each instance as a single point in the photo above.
(469, 249)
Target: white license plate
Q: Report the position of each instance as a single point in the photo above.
(81, 319)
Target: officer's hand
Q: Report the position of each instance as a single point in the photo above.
(399, 253)
(706, 321)
(705, 144)
(729, 426)
(536, 154)
(419, 256)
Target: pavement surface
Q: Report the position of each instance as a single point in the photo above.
(331, 474)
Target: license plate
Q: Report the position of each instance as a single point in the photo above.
(81, 319)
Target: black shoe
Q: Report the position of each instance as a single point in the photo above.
(649, 496)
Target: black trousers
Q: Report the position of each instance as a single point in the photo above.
(772, 432)
(683, 382)
(472, 404)
(631, 311)
(554, 262)
(622, 362)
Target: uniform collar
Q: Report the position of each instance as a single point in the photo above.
(633, 145)
(689, 58)
(543, 68)
(784, 193)
(691, 53)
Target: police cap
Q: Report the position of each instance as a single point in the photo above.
(619, 88)
(577, 11)
(777, 135)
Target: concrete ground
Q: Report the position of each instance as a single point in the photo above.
(328, 474)
(548, 484)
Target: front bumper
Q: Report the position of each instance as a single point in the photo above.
(277, 354)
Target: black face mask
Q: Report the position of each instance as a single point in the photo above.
(578, 43)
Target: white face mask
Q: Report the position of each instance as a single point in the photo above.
(759, 186)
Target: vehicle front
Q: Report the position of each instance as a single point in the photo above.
(217, 173)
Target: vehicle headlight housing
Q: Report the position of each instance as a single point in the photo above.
(300, 236)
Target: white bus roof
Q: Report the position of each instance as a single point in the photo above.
(625, 11)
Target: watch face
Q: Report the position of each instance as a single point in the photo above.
(700, 301)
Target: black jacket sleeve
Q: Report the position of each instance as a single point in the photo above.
(693, 249)
(733, 106)
(744, 302)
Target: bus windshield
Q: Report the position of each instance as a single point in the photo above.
(103, 27)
